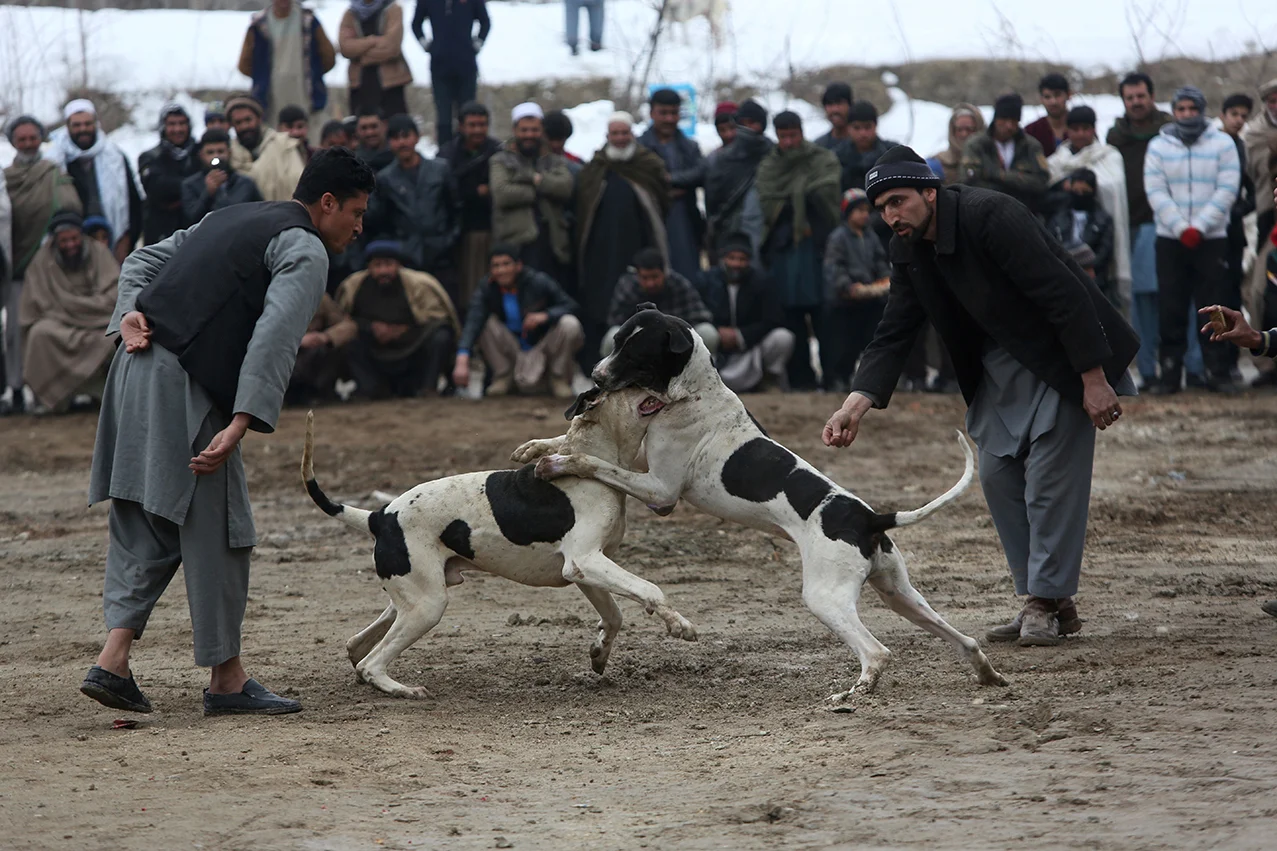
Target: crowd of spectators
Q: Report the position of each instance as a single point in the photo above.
(520, 256)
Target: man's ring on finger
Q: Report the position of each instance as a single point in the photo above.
(1116, 414)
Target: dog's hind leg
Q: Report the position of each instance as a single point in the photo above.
(420, 597)
(594, 568)
(831, 591)
(363, 641)
(609, 625)
(891, 580)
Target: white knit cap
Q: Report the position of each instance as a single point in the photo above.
(620, 118)
(525, 110)
(79, 105)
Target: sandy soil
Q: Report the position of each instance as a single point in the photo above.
(1153, 728)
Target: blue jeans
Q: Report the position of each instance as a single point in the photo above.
(1145, 314)
(594, 8)
(452, 90)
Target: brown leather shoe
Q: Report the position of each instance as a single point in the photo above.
(1007, 631)
(1066, 614)
(1040, 625)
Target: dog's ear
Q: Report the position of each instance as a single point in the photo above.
(680, 341)
(647, 305)
(583, 403)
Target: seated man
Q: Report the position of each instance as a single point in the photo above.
(648, 281)
(407, 326)
(856, 282)
(754, 346)
(216, 184)
(97, 228)
(322, 357)
(522, 323)
(1081, 219)
(68, 297)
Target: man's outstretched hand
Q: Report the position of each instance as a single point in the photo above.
(135, 333)
(1236, 329)
(221, 447)
(842, 427)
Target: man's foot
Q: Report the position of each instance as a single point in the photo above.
(1007, 631)
(1165, 388)
(114, 691)
(1039, 624)
(1270, 608)
(772, 384)
(1196, 381)
(596, 46)
(1223, 386)
(1266, 380)
(500, 387)
(561, 389)
(11, 402)
(576, 51)
(255, 699)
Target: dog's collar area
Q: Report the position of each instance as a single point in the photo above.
(649, 406)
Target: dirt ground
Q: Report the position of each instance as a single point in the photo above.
(1154, 728)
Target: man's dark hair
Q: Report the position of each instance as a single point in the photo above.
(291, 114)
(473, 107)
(504, 249)
(337, 171)
(556, 126)
(751, 111)
(787, 121)
(836, 93)
(371, 111)
(863, 111)
(1085, 175)
(1054, 82)
(1233, 101)
(215, 137)
(332, 128)
(400, 125)
(649, 258)
(666, 97)
(1135, 78)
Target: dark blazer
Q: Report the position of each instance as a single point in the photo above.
(758, 307)
(537, 291)
(995, 274)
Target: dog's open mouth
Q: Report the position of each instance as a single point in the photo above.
(650, 405)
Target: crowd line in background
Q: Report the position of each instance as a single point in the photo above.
(521, 256)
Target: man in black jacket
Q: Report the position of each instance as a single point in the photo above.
(1037, 351)
(416, 204)
(469, 155)
(218, 185)
(1080, 219)
(754, 346)
(731, 199)
(521, 321)
(162, 170)
(684, 227)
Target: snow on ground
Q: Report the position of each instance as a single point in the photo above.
(151, 56)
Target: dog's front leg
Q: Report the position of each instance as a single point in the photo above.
(534, 449)
(658, 494)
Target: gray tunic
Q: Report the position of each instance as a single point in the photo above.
(152, 410)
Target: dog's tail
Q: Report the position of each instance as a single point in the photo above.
(354, 517)
(908, 518)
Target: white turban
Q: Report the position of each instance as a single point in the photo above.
(79, 105)
(620, 118)
(525, 110)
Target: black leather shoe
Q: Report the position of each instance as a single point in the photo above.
(255, 699)
(1270, 608)
(114, 691)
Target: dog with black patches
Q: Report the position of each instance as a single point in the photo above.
(507, 523)
(707, 449)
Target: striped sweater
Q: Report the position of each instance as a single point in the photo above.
(1192, 186)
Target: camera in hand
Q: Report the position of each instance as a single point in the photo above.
(220, 164)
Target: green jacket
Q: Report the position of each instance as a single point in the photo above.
(1025, 179)
(516, 198)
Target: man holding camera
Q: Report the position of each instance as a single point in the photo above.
(217, 185)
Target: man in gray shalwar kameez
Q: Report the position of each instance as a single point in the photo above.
(211, 320)
(1037, 351)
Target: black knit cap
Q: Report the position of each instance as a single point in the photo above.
(66, 220)
(1079, 116)
(735, 241)
(900, 167)
(752, 110)
(1008, 106)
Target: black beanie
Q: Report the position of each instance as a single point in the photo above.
(751, 110)
(1080, 115)
(863, 110)
(1008, 106)
(735, 241)
(65, 220)
(900, 166)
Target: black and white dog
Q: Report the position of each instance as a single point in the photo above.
(707, 449)
(508, 523)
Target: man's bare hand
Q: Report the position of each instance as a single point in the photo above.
(461, 371)
(842, 427)
(387, 332)
(533, 321)
(482, 190)
(1237, 330)
(214, 179)
(728, 339)
(135, 333)
(1099, 399)
(314, 340)
(221, 447)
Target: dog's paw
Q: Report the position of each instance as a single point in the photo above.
(663, 510)
(677, 625)
(530, 451)
(992, 678)
(553, 467)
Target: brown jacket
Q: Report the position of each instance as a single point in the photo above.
(426, 296)
(333, 321)
(384, 50)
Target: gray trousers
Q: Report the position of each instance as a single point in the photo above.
(1039, 503)
(144, 553)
